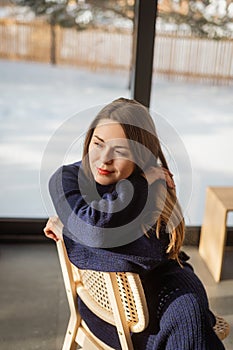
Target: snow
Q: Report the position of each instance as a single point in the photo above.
(45, 110)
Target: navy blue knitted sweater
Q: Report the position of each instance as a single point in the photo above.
(179, 315)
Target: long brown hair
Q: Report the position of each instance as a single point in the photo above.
(139, 127)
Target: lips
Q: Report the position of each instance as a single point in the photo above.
(104, 171)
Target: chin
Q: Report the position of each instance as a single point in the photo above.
(103, 181)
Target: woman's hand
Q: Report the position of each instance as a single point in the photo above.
(53, 228)
(153, 174)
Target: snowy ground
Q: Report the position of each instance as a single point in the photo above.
(37, 103)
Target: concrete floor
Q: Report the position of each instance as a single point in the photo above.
(33, 306)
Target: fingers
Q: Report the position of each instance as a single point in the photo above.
(170, 182)
(51, 235)
(169, 178)
(56, 223)
(53, 228)
(153, 174)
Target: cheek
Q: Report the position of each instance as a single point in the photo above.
(127, 167)
(92, 154)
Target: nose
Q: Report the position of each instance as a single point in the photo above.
(106, 156)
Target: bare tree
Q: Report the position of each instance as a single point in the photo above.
(212, 18)
(205, 18)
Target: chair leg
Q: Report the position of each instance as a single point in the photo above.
(69, 341)
(74, 321)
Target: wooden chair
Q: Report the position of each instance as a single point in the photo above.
(117, 298)
(221, 328)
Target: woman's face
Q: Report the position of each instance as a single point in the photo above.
(109, 153)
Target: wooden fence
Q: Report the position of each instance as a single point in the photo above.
(187, 57)
(176, 56)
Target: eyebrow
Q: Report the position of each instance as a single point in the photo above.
(99, 138)
(117, 146)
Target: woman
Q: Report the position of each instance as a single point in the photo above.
(120, 213)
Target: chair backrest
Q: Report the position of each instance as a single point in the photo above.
(221, 328)
(117, 298)
(94, 289)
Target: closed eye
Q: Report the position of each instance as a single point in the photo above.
(98, 144)
(122, 153)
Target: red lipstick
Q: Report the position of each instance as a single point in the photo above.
(104, 172)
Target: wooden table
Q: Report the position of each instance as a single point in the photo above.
(219, 202)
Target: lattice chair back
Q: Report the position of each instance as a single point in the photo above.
(117, 298)
(94, 289)
(221, 328)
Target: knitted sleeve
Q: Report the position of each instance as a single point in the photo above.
(185, 325)
(90, 216)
